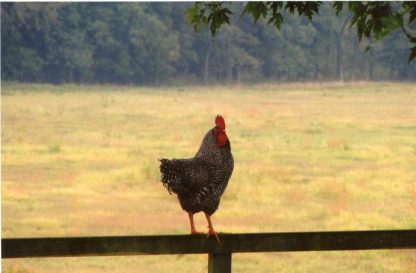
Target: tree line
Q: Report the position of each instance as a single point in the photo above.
(152, 43)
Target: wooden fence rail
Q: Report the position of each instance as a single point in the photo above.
(219, 259)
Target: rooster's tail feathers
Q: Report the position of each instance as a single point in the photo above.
(171, 174)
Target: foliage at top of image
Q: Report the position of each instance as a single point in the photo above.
(153, 44)
(372, 19)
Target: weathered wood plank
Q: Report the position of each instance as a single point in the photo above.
(187, 244)
(219, 263)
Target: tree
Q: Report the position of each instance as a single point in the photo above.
(24, 31)
(152, 43)
(71, 59)
(130, 43)
(372, 19)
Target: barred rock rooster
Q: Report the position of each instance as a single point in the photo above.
(200, 181)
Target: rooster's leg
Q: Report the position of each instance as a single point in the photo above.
(211, 231)
(191, 219)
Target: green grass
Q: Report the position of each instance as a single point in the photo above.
(82, 160)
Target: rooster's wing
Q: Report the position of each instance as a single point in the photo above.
(183, 176)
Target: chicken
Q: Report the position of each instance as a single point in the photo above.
(199, 182)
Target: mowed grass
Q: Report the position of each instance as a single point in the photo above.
(82, 160)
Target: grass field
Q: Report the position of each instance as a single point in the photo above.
(82, 160)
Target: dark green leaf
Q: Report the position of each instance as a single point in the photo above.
(412, 54)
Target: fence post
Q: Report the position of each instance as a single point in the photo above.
(219, 262)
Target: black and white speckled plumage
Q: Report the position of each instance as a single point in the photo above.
(200, 182)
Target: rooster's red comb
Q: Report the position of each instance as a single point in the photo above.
(219, 120)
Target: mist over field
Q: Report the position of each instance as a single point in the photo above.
(153, 44)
